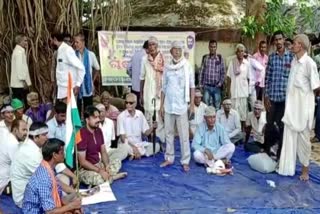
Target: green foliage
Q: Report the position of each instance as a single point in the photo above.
(280, 17)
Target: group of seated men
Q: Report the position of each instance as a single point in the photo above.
(33, 153)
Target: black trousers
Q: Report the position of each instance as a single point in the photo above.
(259, 92)
(274, 127)
(84, 102)
(21, 94)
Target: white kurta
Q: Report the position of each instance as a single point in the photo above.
(299, 114)
(257, 126)
(7, 152)
(198, 116)
(67, 61)
(19, 68)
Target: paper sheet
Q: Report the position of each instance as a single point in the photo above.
(101, 193)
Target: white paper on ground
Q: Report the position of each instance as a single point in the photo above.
(105, 194)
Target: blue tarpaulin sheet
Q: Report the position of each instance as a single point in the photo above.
(151, 189)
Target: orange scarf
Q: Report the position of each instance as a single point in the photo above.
(55, 193)
(158, 65)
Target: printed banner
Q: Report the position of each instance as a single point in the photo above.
(117, 48)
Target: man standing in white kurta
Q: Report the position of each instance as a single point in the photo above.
(299, 110)
(239, 74)
(67, 61)
(151, 82)
(177, 91)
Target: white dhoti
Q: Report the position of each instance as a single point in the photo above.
(183, 130)
(160, 128)
(144, 148)
(225, 151)
(241, 106)
(294, 144)
(62, 92)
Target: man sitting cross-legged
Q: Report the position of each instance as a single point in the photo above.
(131, 125)
(93, 169)
(211, 141)
(43, 193)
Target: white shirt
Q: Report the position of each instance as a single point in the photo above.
(108, 131)
(94, 65)
(134, 68)
(19, 68)
(231, 124)
(198, 116)
(239, 83)
(300, 101)
(177, 78)
(257, 125)
(67, 61)
(28, 157)
(56, 130)
(132, 126)
(7, 152)
(3, 125)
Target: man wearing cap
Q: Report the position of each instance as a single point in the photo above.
(8, 117)
(109, 135)
(199, 108)
(177, 91)
(239, 74)
(230, 120)
(152, 66)
(27, 158)
(9, 148)
(255, 124)
(298, 117)
(18, 108)
(211, 141)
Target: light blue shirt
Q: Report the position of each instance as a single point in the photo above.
(174, 86)
(134, 69)
(210, 139)
(56, 130)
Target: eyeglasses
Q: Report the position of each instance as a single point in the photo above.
(127, 102)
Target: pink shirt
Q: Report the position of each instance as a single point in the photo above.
(260, 75)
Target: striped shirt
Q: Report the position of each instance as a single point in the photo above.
(38, 195)
(212, 71)
(277, 75)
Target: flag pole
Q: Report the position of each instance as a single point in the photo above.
(77, 161)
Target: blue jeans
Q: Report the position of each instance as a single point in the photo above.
(212, 95)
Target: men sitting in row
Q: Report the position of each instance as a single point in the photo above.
(211, 141)
(9, 148)
(95, 166)
(18, 108)
(43, 192)
(27, 158)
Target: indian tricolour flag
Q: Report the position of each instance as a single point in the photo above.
(73, 124)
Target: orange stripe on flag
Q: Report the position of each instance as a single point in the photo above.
(78, 137)
(69, 88)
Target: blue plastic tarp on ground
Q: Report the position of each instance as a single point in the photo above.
(151, 189)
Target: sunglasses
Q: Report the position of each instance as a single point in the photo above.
(127, 102)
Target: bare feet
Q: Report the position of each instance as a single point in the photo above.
(120, 175)
(186, 167)
(305, 174)
(166, 163)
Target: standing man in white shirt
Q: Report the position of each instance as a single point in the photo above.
(67, 61)
(199, 108)
(134, 70)
(230, 120)
(107, 127)
(177, 91)
(239, 74)
(9, 148)
(298, 117)
(20, 78)
(92, 72)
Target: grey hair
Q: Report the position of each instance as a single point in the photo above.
(240, 47)
(18, 39)
(303, 40)
(132, 95)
